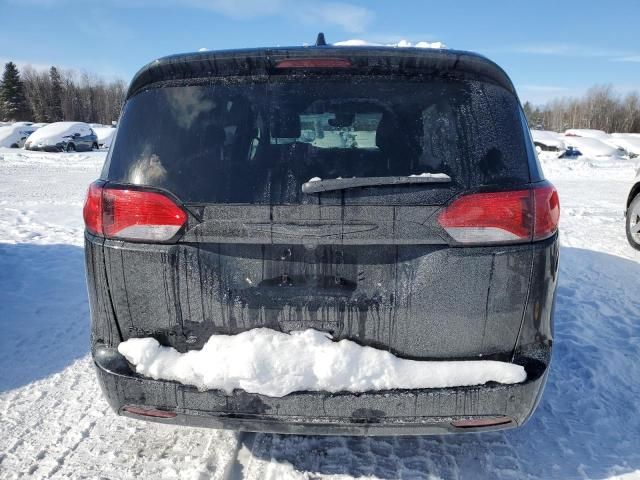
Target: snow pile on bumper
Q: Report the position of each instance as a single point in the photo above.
(275, 364)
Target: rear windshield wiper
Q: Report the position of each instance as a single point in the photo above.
(316, 185)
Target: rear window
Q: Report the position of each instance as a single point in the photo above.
(244, 140)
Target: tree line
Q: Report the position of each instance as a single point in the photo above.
(58, 95)
(600, 108)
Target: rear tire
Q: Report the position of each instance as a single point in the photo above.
(633, 223)
(95, 147)
(71, 147)
(14, 145)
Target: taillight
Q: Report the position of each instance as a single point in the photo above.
(503, 217)
(131, 214)
(314, 63)
(92, 211)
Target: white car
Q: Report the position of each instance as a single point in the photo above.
(63, 137)
(14, 136)
(632, 214)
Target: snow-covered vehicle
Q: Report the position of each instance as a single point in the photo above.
(105, 136)
(548, 141)
(63, 137)
(593, 147)
(630, 142)
(632, 214)
(345, 240)
(14, 136)
(586, 133)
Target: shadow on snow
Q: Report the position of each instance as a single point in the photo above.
(44, 313)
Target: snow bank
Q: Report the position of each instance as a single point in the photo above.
(355, 42)
(275, 364)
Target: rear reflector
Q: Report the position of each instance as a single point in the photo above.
(314, 63)
(503, 217)
(149, 412)
(482, 422)
(132, 214)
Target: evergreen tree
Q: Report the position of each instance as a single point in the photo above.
(12, 98)
(55, 106)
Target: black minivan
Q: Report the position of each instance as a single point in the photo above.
(389, 196)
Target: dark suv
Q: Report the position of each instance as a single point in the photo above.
(387, 196)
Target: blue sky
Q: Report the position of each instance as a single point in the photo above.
(549, 48)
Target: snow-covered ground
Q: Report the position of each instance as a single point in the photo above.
(55, 424)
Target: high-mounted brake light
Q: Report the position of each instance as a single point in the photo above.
(313, 63)
(128, 214)
(503, 217)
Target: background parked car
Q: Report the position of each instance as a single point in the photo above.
(593, 147)
(105, 135)
(63, 137)
(548, 141)
(14, 136)
(629, 141)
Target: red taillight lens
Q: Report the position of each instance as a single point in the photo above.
(132, 214)
(92, 211)
(313, 63)
(503, 217)
(140, 215)
(547, 212)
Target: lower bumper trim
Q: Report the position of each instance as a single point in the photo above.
(392, 412)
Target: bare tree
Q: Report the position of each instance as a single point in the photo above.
(57, 95)
(600, 108)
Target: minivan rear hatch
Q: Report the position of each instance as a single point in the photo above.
(313, 194)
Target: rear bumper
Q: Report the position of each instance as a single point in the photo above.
(395, 412)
